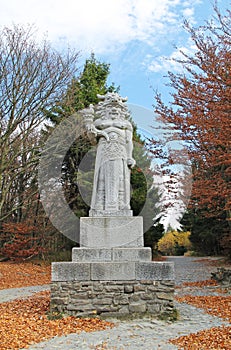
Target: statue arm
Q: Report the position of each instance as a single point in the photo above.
(88, 114)
(129, 146)
(98, 132)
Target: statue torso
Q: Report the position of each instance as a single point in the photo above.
(116, 131)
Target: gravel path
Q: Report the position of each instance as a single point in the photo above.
(192, 269)
(146, 333)
(149, 334)
(17, 293)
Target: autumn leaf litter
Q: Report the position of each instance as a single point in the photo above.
(26, 321)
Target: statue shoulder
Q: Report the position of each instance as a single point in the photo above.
(102, 123)
(123, 124)
(128, 125)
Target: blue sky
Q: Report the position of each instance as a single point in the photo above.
(135, 36)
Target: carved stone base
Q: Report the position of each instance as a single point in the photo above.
(97, 213)
(110, 232)
(111, 273)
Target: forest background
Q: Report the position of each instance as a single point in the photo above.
(40, 87)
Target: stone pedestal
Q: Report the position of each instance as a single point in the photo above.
(111, 273)
(110, 232)
(113, 298)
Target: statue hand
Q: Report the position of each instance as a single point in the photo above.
(131, 162)
(98, 132)
(104, 134)
(91, 130)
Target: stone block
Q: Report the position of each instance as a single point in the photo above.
(140, 288)
(128, 288)
(132, 254)
(114, 288)
(77, 295)
(105, 300)
(147, 296)
(124, 310)
(59, 301)
(111, 232)
(91, 254)
(164, 296)
(137, 307)
(108, 302)
(154, 308)
(98, 287)
(108, 309)
(80, 307)
(70, 271)
(135, 297)
(113, 271)
(121, 299)
(154, 271)
(153, 288)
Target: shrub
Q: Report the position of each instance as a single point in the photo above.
(20, 241)
(174, 243)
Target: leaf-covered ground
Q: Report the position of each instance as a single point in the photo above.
(216, 338)
(24, 322)
(215, 305)
(16, 275)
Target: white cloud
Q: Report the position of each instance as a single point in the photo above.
(100, 25)
(188, 12)
(168, 63)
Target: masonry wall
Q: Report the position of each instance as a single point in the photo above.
(113, 298)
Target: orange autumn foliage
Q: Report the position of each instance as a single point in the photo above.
(24, 322)
(200, 114)
(21, 241)
(213, 338)
(215, 305)
(16, 275)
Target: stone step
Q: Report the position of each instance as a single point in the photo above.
(111, 254)
(112, 271)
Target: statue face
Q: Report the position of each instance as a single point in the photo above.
(113, 112)
(112, 107)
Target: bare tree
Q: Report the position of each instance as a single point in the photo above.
(33, 78)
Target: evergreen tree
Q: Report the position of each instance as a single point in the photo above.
(80, 94)
(152, 236)
(78, 165)
(206, 232)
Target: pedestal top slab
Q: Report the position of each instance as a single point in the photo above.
(81, 254)
(111, 232)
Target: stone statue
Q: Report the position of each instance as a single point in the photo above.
(113, 131)
(111, 248)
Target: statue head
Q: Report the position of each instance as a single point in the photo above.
(112, 106)
(112, 97)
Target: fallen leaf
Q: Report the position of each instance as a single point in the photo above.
(25, 321)
(16, 275)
